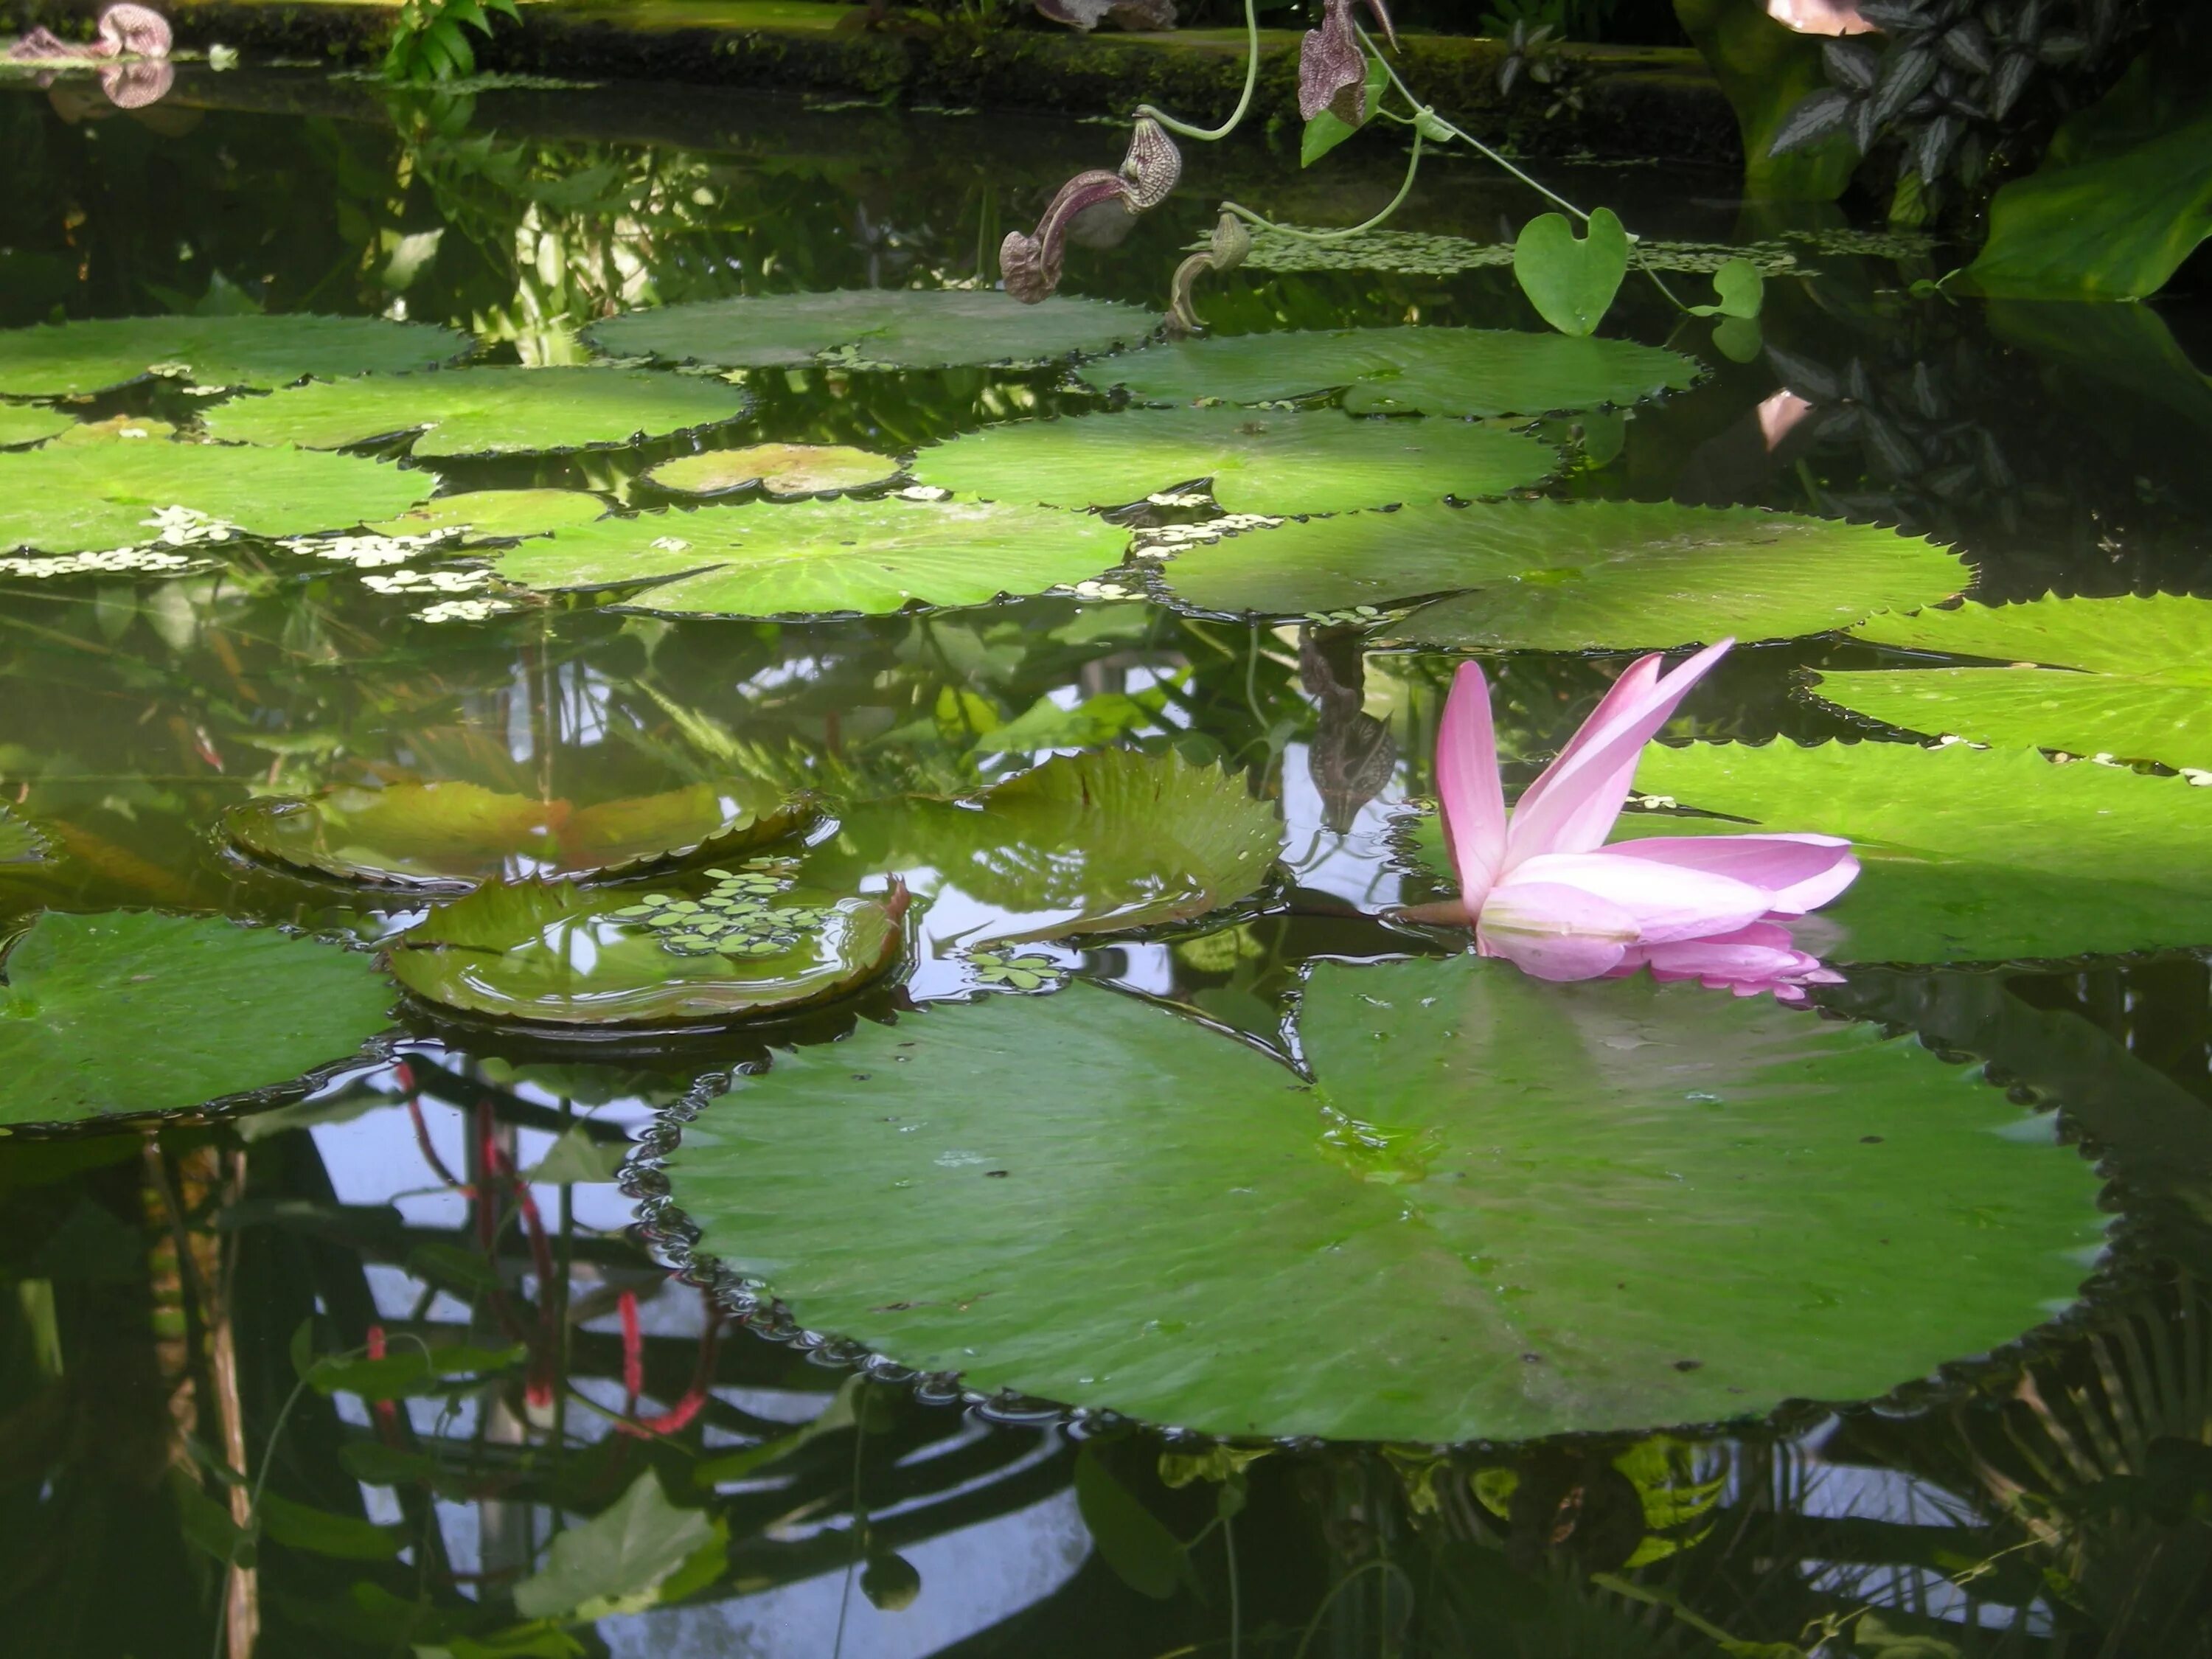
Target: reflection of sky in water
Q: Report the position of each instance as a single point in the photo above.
(1351, 866)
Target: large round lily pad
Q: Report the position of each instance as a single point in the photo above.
(1432, 371)
(1503, 1208)
(483, 411)
(776, 470)
(69, 499)
(1573, 575)
(816, 557)
(895, 328)
(22, 424)
(2125, 676)
(1278, 462)
(124, 1013)
(455, 833)
(1970, 854)
(716, 946)
(58, 360)
(1091, 843)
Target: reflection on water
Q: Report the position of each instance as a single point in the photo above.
(163, 1291)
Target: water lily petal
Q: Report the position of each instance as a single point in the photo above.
(1468, 787)
(1667, 902)
(1555, 932)
(1750, 962)
(1571, 808)
(1803, 872)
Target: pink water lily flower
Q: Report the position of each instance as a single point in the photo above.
(1542, 888)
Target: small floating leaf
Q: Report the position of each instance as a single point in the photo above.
(1970, 854)
(552, 952)
(776, 468)
(497, 514)
(1433, 371)
(1570, 577)
(2126, 676)
(1280, 462)
(69, 359)
(64, 499)
(815, 558)
(899, 329)
(454, 833)
(1519, 1208)
(482, 411)
(126, 1012)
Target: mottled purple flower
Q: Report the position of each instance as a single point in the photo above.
(1031, 264)
(125, 30)
(1332, 69)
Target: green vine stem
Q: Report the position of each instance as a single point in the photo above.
(1214, 134)
(1413, 167)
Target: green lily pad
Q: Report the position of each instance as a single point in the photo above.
(1280, 462)
(555, 953)
(1518, 1209)
(1092, 843)
(1970, 854)
(498, 514)
(895, 328)
(778, 469)
(22, 424)
(2128, 677)
(67, 359)
(72, 500)
(483, 411)
(19, 842)
(454, 833)
(126, 1013)
(1573, 575)
(1432, 371)
(815, 558)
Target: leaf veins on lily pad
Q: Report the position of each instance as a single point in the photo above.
(1520, 1209)
(69, 359)
(1573, 575)
(1278, 462)
(483, 411)
(1429, 371)
(895, 328)
(810, 558)
(696, 951)
(125, 1013)
(454, 833)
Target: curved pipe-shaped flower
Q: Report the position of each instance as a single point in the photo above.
(1031, 264)
(125, 30)
(1332, 68)
(1540, 887)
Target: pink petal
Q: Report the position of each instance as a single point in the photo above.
(1803, 873)
(1571, 808)
(1666, 902)
(1761, 957)
(1555, 932)
(1467, 786)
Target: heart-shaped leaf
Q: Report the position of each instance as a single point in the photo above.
(1742, 288)
(1570, 279)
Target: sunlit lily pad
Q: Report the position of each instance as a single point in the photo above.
(1091, 843)
(63, 499)
(1278, 462)
(1573, 575)
(1433, 371)
(19, 842)
(779, 470)
(1970, 854)
(483, 411)
(124, 1012)
(897, 328)
(1515, 1208)
(2127, 677)
(556, 953)
(455, 833)
(55, 360)
(498, 514)
(816, 557)
(22, 424)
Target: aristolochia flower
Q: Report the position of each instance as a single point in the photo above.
(1542, 890)
(1031, 264)
(1332, 69)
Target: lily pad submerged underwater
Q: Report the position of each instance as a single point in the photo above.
(1518, 1209)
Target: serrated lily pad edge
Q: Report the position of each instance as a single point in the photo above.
(380, 1050)
(673, 1237)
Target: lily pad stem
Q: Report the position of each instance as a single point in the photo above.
(1412, 166)
(1213, 135)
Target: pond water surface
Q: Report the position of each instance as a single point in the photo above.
(519, 1433)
